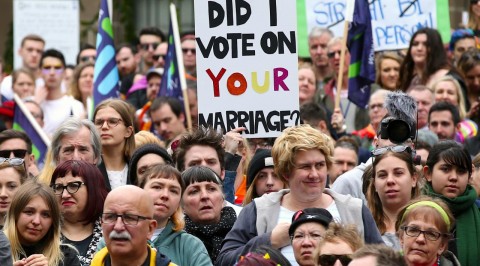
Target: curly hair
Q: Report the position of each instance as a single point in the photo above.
(295, 139)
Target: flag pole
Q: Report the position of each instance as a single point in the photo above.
(348, 18)
(31, 119)
(181, 67)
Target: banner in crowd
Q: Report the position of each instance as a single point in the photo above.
(247, 70)
(170, 85)
(105, 77)
(393, 22)
(56, 21)
(24, 121)
(361, 72)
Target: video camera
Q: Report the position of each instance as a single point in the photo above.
(396, 130)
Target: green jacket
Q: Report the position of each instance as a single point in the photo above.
(181, 247)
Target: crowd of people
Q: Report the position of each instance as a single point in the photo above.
(397, 183)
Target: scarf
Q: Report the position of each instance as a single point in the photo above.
(212, 235)
(85, 259)
(467, 217)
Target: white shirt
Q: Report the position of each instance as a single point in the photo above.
(56, 111)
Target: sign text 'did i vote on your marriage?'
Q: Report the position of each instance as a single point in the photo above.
(247, 69)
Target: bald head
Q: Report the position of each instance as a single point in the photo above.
(125, 237)
(131, 195)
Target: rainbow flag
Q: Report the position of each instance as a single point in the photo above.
(24, 121)
(105, 81)
(170, 85)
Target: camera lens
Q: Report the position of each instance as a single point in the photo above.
(398, 131)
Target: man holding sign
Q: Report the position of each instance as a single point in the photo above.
(247, 65)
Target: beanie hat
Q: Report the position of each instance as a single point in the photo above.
(317, 215)
(261, 159)
(140, 152)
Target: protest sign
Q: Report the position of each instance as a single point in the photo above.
(393, 21)
(247, 70)
(57, 21)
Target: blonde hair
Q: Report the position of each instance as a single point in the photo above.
(295, 139)
(45, 175)
(49, 245)
(378, 65)
(460, 98)
(125, 111)
(146, 137)
(337, 233)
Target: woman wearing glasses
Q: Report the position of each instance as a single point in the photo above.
(33, 228)
(393, 184)
(114, 121)
(81, 87)
(306, 231)
(12, 175)
(338, 245)
(423, 227)
(448, 171)
(81, 192)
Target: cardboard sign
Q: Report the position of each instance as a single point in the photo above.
(247, 72)
(393, 21)
(56, 21)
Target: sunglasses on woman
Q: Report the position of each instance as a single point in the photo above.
(330, 259)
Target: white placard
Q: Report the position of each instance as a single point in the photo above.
(250, 50)
(56, 21)
(390, 29)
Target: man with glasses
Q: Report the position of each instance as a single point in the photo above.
(16, 144)
(149, 38)
(127, 222)
(57, 106)
(31, 49)
(159, 56)
(88, 53)
(189, 54)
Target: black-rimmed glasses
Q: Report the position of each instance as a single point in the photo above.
(72, 187)
(111, 122)
(18, 153)
(414, 231)
(12, 161)
(127, 219)
(397, 149)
